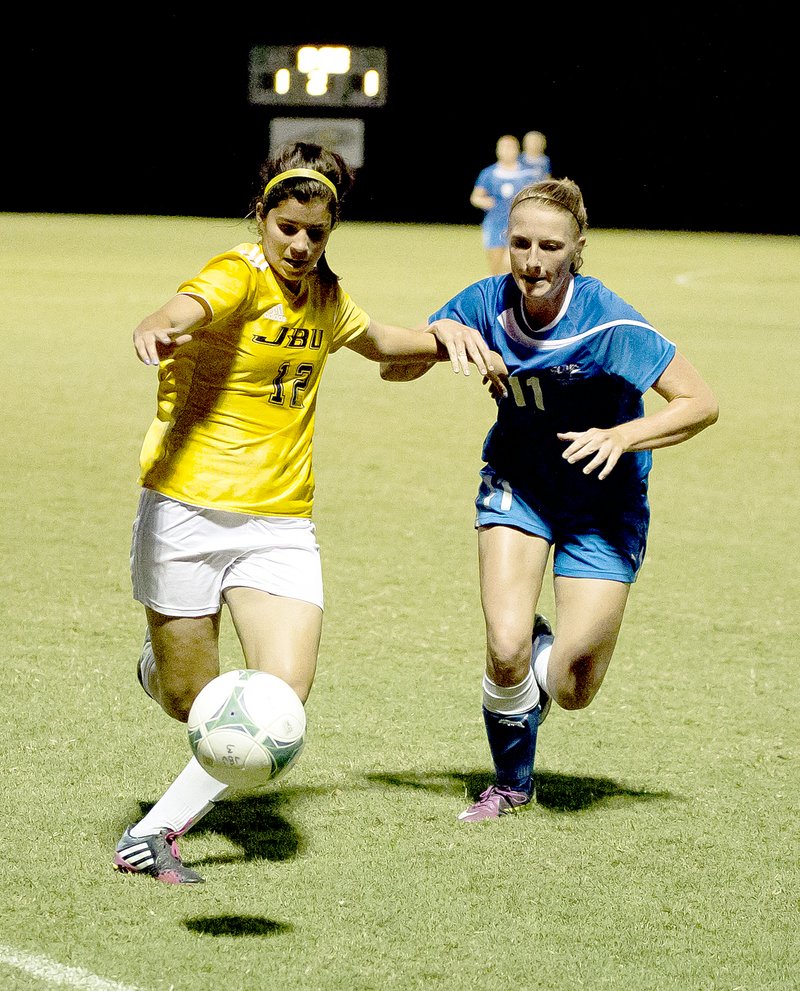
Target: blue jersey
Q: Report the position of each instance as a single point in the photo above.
(539, 167)
(502, 183)
(589, 368)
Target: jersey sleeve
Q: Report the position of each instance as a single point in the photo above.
(351, 321)
(634, 351)
(621, 341)
(226, 284)
(484, 180)
(470, 307)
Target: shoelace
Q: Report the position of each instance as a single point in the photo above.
(504, 793)
(485, 796)
(172, 840)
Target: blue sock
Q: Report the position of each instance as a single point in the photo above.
(512, 743)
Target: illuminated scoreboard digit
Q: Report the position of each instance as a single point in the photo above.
(318, 76)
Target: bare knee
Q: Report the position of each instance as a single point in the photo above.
(508, 657)
(577, 685)
(176, 696)
(178, 685)
(177, 706)
(187, 658)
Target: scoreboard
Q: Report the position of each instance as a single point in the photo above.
(312, 76)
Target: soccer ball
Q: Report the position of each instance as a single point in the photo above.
(246, 728)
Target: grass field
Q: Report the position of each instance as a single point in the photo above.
(663, 852)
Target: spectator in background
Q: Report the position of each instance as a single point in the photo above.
(534, 146)
(495, 188)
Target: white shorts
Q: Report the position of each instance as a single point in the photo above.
(184, 557)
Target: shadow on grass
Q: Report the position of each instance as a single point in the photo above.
(557, 792)
(237, 925)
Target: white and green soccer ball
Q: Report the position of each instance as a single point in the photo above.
(246, 728)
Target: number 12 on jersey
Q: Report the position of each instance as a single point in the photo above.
(301, 377)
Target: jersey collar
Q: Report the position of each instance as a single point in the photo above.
(518, 327)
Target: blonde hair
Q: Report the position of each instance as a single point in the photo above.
(562, 193)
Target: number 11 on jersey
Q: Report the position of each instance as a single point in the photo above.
(519, 394)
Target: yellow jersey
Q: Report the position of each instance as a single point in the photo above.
(235, 412)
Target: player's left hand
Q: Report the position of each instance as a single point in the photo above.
(604, 447)
(464, 344)
(498, 392)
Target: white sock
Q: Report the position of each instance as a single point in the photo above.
(147, 663)
(512, 700)
(542, 646)
(185, 802)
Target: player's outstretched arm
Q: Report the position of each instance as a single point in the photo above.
(442, 340)
(401, 372)
(168, 325)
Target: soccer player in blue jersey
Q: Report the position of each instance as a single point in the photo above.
(534, 155)
(565, 471)
(494, 189)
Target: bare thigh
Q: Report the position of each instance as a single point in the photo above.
(512, 566)
(589, 615)
(278, 634)
(186, 653)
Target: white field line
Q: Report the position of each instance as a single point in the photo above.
(692, 276)
(56, 974)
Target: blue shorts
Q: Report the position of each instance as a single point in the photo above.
(614, 551)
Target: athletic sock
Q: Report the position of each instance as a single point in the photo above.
(190, 796)
(542, 646)
(511, 716)
(147, 664)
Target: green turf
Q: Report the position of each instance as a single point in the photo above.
(663, 853)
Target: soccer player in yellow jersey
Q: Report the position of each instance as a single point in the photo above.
(226, 470)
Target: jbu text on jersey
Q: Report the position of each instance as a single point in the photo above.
(292, 337)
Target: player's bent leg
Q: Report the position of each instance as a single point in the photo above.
(278, 634)
(186, 654)
(589, 616)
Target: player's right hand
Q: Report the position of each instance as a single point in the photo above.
(151, 343)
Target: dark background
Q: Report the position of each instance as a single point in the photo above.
(667, 119)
